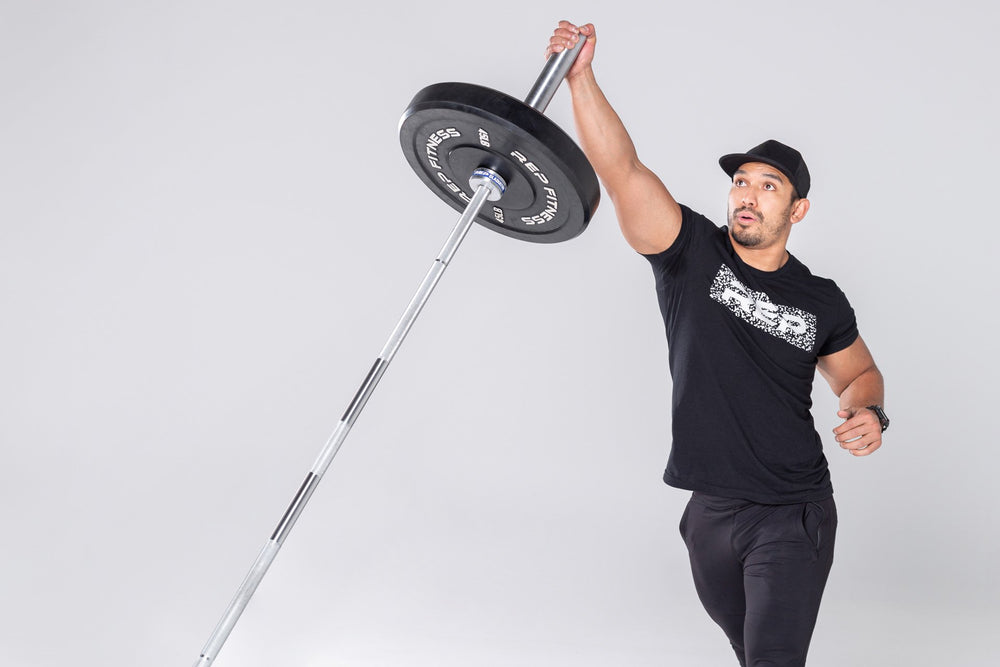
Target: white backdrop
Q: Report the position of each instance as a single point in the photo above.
(207, 231)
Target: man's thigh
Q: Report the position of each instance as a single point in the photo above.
(716, 568)
(787, 552)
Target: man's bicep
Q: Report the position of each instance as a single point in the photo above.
(649, 217)
(841, 368)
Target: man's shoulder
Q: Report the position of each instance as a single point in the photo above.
(696, 224)
(804, 272)
(697, 234)
(819, 287)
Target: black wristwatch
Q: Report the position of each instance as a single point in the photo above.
(880, 413)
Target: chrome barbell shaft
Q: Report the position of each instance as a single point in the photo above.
(336, 439)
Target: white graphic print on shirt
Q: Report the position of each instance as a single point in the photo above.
(790, 324)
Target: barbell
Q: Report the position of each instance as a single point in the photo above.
(470, 145)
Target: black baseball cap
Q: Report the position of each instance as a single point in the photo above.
(785, 158)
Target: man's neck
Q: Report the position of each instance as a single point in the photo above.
(763, 259)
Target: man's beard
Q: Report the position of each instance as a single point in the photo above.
(753, 236)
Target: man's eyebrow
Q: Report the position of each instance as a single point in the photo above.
(776, 177)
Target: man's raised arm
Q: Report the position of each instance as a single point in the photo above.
(649, 217)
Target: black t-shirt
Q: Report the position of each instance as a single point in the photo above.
(743, 345)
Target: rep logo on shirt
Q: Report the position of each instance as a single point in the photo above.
(790, 324)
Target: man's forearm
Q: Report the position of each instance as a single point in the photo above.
(602, 134)
(866, 389)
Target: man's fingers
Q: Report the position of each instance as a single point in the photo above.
(564, 37)
(859, 435)
(867, 449)
(857, 439)
(859, 421)
(857, 432)
(586, 28)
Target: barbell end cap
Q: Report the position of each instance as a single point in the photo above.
(492, 181)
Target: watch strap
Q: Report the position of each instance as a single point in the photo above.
(880, 413)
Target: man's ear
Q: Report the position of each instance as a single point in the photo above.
(799, 210)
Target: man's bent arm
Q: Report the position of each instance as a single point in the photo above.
(857, 381)
(649, 217)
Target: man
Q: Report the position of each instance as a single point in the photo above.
(747, 325)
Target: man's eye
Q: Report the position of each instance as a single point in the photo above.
(739, 182)
(768, 186)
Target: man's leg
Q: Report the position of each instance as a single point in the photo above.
(707, 529)
(787, 551)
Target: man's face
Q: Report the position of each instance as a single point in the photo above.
(762, 206)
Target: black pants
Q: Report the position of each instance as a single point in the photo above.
(760, 571)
